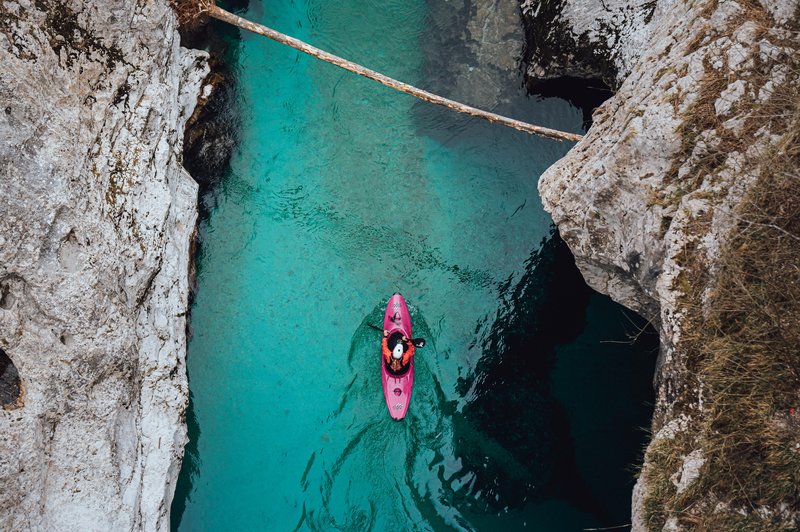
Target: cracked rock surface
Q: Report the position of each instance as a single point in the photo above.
(96, 217)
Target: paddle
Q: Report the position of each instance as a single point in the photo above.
(418, 342)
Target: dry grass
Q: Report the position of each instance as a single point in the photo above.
(749, 345)
(190, 12)
(745, 353)
(740, 347)
(741, 341)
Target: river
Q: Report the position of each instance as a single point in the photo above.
(529, 396)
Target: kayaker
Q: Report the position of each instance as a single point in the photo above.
(397, 350)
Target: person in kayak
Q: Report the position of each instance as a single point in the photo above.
(397, 350)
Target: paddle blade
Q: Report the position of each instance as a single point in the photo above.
(418, 342)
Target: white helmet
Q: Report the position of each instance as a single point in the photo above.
(397, 352)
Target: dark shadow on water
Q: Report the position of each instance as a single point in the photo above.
(190, 468)
(513, 418)
(210, 138)
(214, 130)
(585, 94)
(514, 435)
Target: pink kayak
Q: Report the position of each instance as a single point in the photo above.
(397, 386)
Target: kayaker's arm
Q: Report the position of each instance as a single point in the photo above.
(387, 355)
(408, 354)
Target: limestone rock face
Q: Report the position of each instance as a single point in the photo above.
(96, 217)
(651, 192)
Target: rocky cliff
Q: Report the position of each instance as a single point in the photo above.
(96, 217)
(663, 204)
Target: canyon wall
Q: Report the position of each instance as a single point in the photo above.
(650, 198)
(96, 219)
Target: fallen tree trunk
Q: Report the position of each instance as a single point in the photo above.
(225, 16)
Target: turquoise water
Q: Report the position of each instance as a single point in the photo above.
(340, 193)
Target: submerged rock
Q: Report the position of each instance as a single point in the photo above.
(97, 215)
(484, 37)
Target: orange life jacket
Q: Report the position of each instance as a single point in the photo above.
(387, 354)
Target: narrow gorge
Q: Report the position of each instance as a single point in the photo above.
(682, 203)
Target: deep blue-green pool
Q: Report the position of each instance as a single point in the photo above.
(526, 408)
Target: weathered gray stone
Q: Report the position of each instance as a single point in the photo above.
(690, 470)
(656, 173)
(96, 215)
